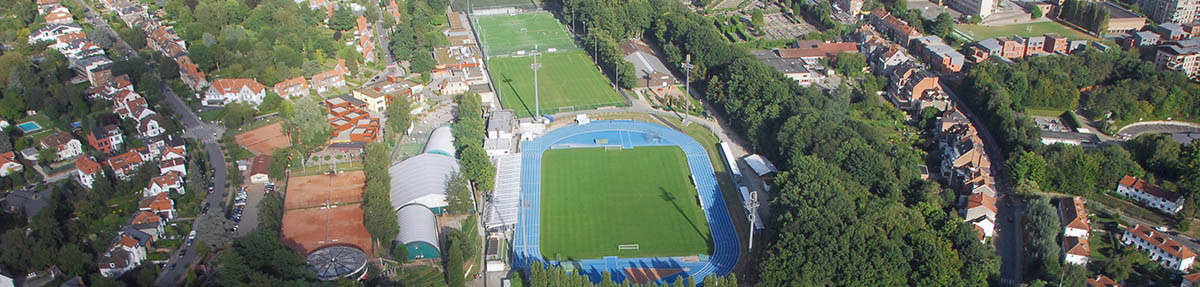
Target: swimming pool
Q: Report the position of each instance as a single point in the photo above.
(28, 127)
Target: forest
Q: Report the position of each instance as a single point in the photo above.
(851, 208)
(271, 41)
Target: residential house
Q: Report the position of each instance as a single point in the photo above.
(191, 74)
(52, 32)
(105, 139)
(172, 165)
(1076, 250)
(9, 164)
(165, 183)
(1150, 195)
(456, 58)
(980, 210)
(913, 88)
(160, 204)
(962, 153)
(1102, 281)
(1074, 216)
(885, 60)
(365, 44)
(59, 15)
(331, 79)
(150, 126)
(1166, 251)
(1171, 32)
(125, 165)
(294, 87)
(27, 202)
(125, 254)
(241, 90)
(88, 169)
(63, 144)
(894, 27)
(47, 5)
(1056, 44)
(1180, 56)
(452, 86)
(852, 6)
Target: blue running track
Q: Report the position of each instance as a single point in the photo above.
(626, 134)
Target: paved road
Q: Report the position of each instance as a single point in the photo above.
(194, 129)
(1183, 132)
(1009, 241)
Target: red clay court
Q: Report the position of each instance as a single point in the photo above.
(647, 275)
(264, 140)
(309, 229)
(316, 190)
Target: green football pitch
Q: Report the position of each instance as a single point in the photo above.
(596, 200)
(567, 81)
(507, 34)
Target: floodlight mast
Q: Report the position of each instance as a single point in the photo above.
(537, 106)
(687, 85)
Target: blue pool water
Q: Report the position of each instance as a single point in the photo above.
(29, 127)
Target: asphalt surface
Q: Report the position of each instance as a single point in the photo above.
(194, 129)
(1008, 239)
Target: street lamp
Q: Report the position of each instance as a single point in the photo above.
(687, 85)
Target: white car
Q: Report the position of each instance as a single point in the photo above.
(192, 235)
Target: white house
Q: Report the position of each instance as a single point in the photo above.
(64, 144)
(126, 254)
(1076, 250)
(172, 165)
(980, 211)
(1150, 195)
(88, 169)
(160, 204)
(1074, 216)
(242, 90)
(9, 164)
(1168, 252)
(164, 183)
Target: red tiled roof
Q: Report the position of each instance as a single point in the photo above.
(156, 203)
(261, 165)
(87, 165)
(128, 241)
(1167, 244)
(124, 161)
(1076, 246)
(1194, 277)
(297, 81)
(229, 86)
(1074, 215)
(172, 178)
(145, 217)
(1102, 281)
(980, 199)
(1147, 187)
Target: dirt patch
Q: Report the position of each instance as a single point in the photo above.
(319, 190)
(310, 229)
(264, 140)
(647, 275)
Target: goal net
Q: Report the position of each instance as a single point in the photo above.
(627, 247)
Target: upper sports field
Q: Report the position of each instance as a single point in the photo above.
(567, 81)
(507, 34)
(595, 200)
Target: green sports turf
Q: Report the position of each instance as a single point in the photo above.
(502, 33)
(566, 79)
(595, 199)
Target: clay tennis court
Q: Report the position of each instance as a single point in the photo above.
(309, 229)
(264, 140)
(316, 190)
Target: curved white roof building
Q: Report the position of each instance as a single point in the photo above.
(441, 141)
(422, 179)
(418, 232)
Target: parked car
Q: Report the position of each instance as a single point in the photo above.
(192, 235)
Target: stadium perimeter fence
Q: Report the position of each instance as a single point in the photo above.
(726, 245)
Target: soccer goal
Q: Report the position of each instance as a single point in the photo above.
(628, 247)
(613, 147)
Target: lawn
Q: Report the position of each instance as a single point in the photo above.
(567, 81)
(503, 34)
(594, 200)
(979, 32)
